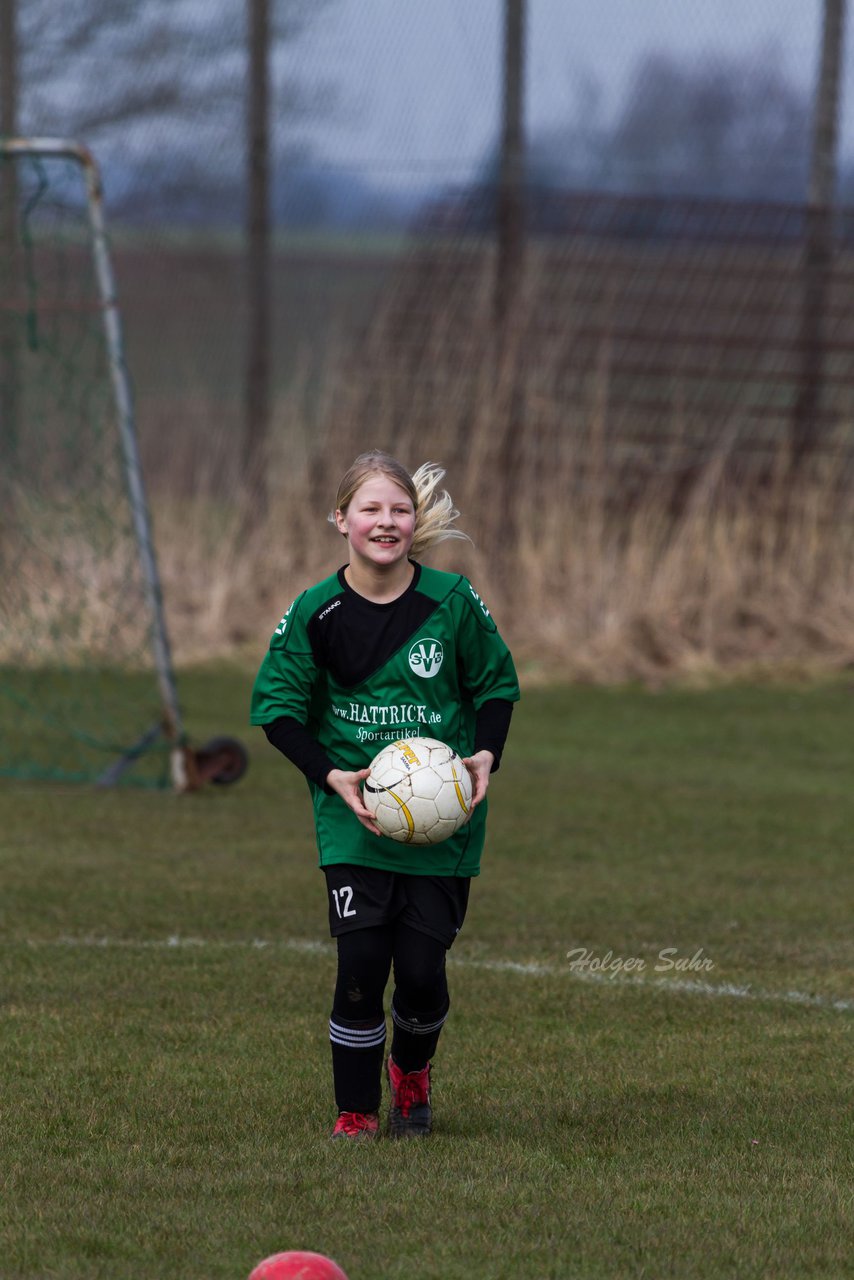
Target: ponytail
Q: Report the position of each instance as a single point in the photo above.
(435, 513)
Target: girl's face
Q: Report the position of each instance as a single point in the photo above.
(379, 522)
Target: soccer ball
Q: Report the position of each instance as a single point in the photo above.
(297, 1264)
(419, 791)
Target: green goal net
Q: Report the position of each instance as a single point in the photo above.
(86, 686)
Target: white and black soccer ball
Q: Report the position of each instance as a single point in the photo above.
(419, 791)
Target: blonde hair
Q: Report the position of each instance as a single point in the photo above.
(435, 512)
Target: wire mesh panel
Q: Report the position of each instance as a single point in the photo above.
(674, 327)
(672, 331)
(78, 693)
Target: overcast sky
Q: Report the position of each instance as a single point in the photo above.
(418, 81)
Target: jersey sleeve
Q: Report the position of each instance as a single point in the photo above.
(286, 679)
(486, 666)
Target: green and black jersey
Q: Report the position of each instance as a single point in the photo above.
(351, 675)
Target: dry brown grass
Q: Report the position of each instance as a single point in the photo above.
(702, 573)
(699, 574)
(602, 559)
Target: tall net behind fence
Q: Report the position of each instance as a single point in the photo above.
(670, 331)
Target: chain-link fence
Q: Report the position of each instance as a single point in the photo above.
(385, 139)
(660, 314)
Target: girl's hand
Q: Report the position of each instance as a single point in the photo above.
(346, 785)
(479, 766)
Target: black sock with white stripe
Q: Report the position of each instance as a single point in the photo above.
(357, 1060)
(415, 1036)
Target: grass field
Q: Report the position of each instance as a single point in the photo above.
(166, 980)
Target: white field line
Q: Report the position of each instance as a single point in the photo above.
(685, 986)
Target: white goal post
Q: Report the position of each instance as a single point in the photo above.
(35, 701)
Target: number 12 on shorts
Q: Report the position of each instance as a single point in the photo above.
(342, 902)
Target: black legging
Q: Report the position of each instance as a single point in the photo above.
(419, 1007)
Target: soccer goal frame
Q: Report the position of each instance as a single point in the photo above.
(223, 759)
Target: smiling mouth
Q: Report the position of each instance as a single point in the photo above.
(386, 541)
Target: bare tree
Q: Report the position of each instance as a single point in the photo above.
(8, 67)
(257, 377)
(8, 205)
(509, 264)
(257, 391)
(818, 250)
(725, 126)
(511, 178)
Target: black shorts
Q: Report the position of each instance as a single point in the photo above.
(360, 897)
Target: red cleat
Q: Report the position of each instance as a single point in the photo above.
(357, 1124)
(411, 1115)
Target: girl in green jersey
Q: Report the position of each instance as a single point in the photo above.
(384, 649)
